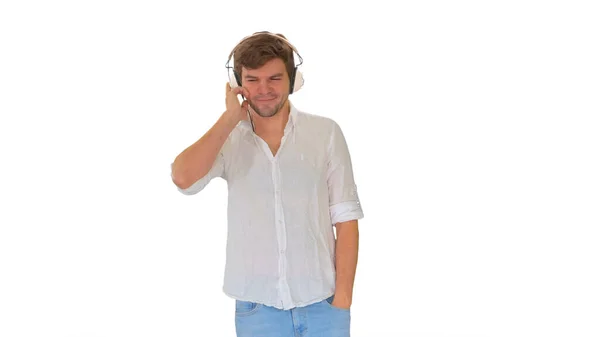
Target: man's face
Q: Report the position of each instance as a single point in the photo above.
(268, 87)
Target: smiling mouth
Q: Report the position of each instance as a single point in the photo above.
(266, 100)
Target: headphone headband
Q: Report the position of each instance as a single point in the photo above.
(264, 33)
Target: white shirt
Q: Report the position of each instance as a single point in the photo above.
(282, 209)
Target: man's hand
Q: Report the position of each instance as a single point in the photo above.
(340, 302)
(235, 110)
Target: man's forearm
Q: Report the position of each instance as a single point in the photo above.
(346, 258)
(197, 159)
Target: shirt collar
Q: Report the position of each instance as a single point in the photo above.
(293, 115)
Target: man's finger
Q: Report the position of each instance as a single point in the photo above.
(238, 90)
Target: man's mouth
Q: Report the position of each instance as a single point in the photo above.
(267, 99)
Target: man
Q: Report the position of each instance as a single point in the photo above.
(290, 183)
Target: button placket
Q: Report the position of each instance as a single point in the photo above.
(281, 233)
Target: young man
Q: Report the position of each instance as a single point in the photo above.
(290, 183)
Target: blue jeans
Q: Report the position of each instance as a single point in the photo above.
(319, 319)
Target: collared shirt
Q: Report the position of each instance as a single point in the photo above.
(282, 209)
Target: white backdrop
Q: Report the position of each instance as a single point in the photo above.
(473, 129)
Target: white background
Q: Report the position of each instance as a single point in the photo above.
(473, 128)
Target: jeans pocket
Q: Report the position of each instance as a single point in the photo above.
(329, 300)
(245, 308)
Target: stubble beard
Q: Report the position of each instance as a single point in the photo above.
(268, 112)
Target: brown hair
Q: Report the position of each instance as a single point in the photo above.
(258, 49)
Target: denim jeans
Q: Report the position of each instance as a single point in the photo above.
(319, 319)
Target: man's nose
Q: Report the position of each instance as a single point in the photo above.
(264, 87)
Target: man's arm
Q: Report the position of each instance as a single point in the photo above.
(345, 211)
(196, 160)
(346, 258)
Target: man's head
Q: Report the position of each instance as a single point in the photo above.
(265, 66)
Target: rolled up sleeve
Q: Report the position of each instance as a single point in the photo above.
(344, 203)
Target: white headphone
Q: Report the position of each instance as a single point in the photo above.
(296, 80)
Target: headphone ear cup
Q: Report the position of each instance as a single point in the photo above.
(298, 81)
(234, 80)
